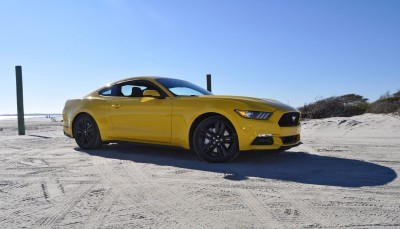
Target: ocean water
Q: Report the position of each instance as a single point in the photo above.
(40, 116)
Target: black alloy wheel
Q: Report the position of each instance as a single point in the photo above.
(215, 140)
(86, 132)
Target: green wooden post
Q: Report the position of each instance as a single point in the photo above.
(20, 101)
(209, 82)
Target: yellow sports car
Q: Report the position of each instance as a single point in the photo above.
(175, 112)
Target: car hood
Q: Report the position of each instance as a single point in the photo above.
(250, 101)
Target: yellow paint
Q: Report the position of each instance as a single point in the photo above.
(168, 121)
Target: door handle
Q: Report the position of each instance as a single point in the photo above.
(116, 106)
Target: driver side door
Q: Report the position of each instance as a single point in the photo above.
(138, 118)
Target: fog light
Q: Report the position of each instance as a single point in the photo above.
(265, 135)
(263, 139)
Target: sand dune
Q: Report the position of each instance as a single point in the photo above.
(362, 126)
(344, 175)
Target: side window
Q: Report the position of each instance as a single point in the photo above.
(132, 90)
(110, 91)
(135, 88)
(184, 91)
(106, 92)
(129, 89)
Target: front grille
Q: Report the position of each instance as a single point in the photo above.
(289, 139)
(289, 119)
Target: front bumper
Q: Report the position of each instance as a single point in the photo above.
(248, 130)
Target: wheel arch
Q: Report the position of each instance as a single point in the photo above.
(199, 119)
(76, 118)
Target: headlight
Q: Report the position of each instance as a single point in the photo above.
(254, 114)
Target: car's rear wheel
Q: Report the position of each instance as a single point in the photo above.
(215, 140)
(86, 132)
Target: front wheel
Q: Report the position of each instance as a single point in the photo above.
(86, 132)
(215, 140)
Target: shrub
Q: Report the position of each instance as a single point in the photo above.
(385, 96)
(397, 94)
(350, 105)
(336, 106)
(386, 105)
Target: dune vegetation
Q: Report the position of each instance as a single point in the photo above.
(350, 105)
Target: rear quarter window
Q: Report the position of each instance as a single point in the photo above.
(109, 91)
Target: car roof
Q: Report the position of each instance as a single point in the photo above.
(141, 78)
(95, 93)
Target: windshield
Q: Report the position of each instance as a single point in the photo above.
(182, 88)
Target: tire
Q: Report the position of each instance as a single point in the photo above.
(86, 133)
(215, 140)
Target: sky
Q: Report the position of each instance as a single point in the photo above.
(292, 51)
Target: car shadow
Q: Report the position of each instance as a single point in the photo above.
(292, 165)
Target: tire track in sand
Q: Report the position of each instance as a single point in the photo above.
(311, 214)
(124, 190)
(302, 212)
(162, 194)
(63, 208)
(96, 219)
(143, 185)
(264, 215)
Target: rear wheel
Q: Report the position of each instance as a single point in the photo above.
(215, 140)
(86, 132)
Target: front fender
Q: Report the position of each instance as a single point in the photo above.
(187, 110)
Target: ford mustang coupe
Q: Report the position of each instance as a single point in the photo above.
(178, 113)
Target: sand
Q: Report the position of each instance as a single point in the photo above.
(344, 175)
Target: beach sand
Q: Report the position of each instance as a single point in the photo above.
(344, 175)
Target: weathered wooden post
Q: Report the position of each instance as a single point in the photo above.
(20, 101)
(209, 82)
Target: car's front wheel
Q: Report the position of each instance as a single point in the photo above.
(215, 140)
(86, 132)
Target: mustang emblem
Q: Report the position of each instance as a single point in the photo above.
(294, 118)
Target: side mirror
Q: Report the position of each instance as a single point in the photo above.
(152, 93)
